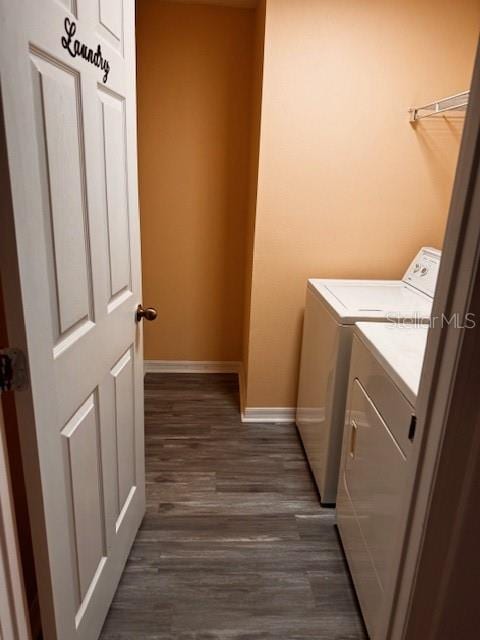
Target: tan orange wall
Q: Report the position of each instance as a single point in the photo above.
(347, 188)
(194, 104)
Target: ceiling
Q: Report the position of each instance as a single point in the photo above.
(227, 3)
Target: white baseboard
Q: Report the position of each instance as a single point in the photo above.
(268, 414)
(190, 366)
(308, 416)
(261, 414)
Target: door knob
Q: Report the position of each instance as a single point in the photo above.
(147, 314)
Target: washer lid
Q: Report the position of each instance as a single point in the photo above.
(400, 349)
(355, 300)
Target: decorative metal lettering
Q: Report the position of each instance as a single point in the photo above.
(76, 48)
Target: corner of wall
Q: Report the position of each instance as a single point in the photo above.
(255, 129)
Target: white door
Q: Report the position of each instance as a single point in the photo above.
(67, 70)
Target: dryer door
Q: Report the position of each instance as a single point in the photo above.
(372, 484)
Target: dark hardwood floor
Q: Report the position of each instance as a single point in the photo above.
(234, 544)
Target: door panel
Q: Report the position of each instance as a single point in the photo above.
(113, 125)
(122, 374)
(83, 470)
(75, 251)
(59, 130)
(71, 5)
(111, 18)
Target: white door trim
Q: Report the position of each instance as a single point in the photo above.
(460, 270)
(14, 623)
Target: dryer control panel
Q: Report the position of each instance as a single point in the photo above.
(423, 272)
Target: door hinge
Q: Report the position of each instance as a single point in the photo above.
(13, 370)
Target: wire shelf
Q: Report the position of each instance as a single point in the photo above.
(458, 102)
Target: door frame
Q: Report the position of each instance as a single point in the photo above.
(444, 474)
(14, 621)
(15, 326)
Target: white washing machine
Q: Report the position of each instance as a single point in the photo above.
(380, 422)
(332, 308)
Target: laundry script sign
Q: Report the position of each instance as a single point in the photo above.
(76, 48)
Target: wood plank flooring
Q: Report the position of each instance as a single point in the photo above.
(234, 544)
